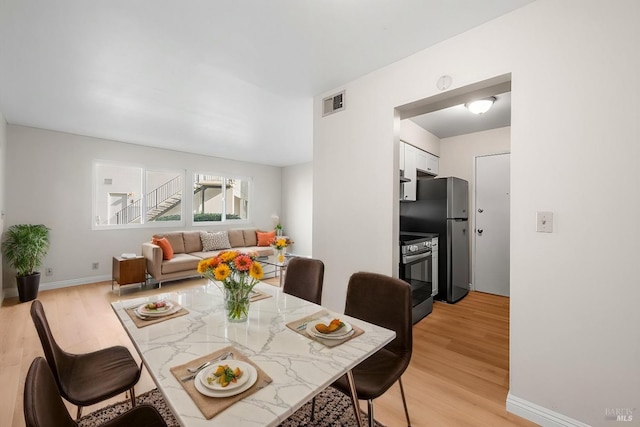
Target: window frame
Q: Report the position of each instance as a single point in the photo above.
(223, 219)
(143, 171)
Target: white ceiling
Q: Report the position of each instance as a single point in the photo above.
(227, 78)
(457, 120)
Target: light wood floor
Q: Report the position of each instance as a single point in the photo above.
(459, 372)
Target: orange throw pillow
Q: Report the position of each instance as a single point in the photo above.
(167, 250)
(265, 239)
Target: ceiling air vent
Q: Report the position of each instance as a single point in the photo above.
(333, 104)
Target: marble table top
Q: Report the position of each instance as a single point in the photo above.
(300, 367)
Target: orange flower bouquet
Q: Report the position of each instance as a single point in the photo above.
(236, 274)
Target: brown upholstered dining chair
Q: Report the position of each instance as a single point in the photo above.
(43, 405)
(304, 278)
(383, 301)
(86, 379)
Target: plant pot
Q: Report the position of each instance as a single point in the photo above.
(28, 287)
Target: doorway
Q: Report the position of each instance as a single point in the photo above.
(117, 202)
(458, 151)
(492, 213)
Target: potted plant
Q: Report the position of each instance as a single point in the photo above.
(24, 248)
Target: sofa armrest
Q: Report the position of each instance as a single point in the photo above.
(153, 255)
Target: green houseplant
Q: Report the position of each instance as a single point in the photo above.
(24, 248)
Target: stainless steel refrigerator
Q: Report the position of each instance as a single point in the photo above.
(441, 207)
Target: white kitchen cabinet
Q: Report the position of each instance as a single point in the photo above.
(410, 172)
(421, 160)
(433, 164)
(413, 162)
(426, 162)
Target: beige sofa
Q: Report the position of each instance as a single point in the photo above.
(188, 252)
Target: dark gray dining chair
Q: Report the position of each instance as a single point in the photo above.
(86, 379)
(303, 279)
(384, 301)
(43, 405)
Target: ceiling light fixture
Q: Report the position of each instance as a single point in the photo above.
(480, 106)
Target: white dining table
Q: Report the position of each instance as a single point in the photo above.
(299, 366)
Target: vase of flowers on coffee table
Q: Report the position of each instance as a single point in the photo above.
(280, 245)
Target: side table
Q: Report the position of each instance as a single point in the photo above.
(128, 271)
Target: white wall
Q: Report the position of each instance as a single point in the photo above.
(575, 347)
(458, 153)
(3, 181)
(50, 182)
(297, 204)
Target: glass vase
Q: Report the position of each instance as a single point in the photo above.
(236, 305)
(280, 255)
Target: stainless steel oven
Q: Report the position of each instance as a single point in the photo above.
(419, 268)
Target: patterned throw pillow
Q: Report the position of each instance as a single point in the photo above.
(214, 240)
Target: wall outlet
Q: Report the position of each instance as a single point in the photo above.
(48, 271)
(95, 265)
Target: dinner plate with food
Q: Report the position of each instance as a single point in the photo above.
(157, 309)
(226, 378)
(330, 328)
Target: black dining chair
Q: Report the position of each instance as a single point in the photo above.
(383, 301)
(43, 405)
(86, 379)
(303, 279)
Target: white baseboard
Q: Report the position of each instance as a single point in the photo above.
(13, 292)
(539, 414)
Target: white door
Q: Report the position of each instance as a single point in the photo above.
(492, 189)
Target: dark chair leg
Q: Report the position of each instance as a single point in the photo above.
(313, 409)
(404, 402)
(132, 391)
(370, 406)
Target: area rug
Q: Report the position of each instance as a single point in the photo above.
(333, 409)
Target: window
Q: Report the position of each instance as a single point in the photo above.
(218, 198)
(126, 196)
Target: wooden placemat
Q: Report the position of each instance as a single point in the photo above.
(258, 295)
(142, 322)
(300, 326)
(211, 406)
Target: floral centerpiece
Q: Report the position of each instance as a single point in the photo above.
(236, 274)
(280, 244)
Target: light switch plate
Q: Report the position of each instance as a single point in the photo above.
(544, 222)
